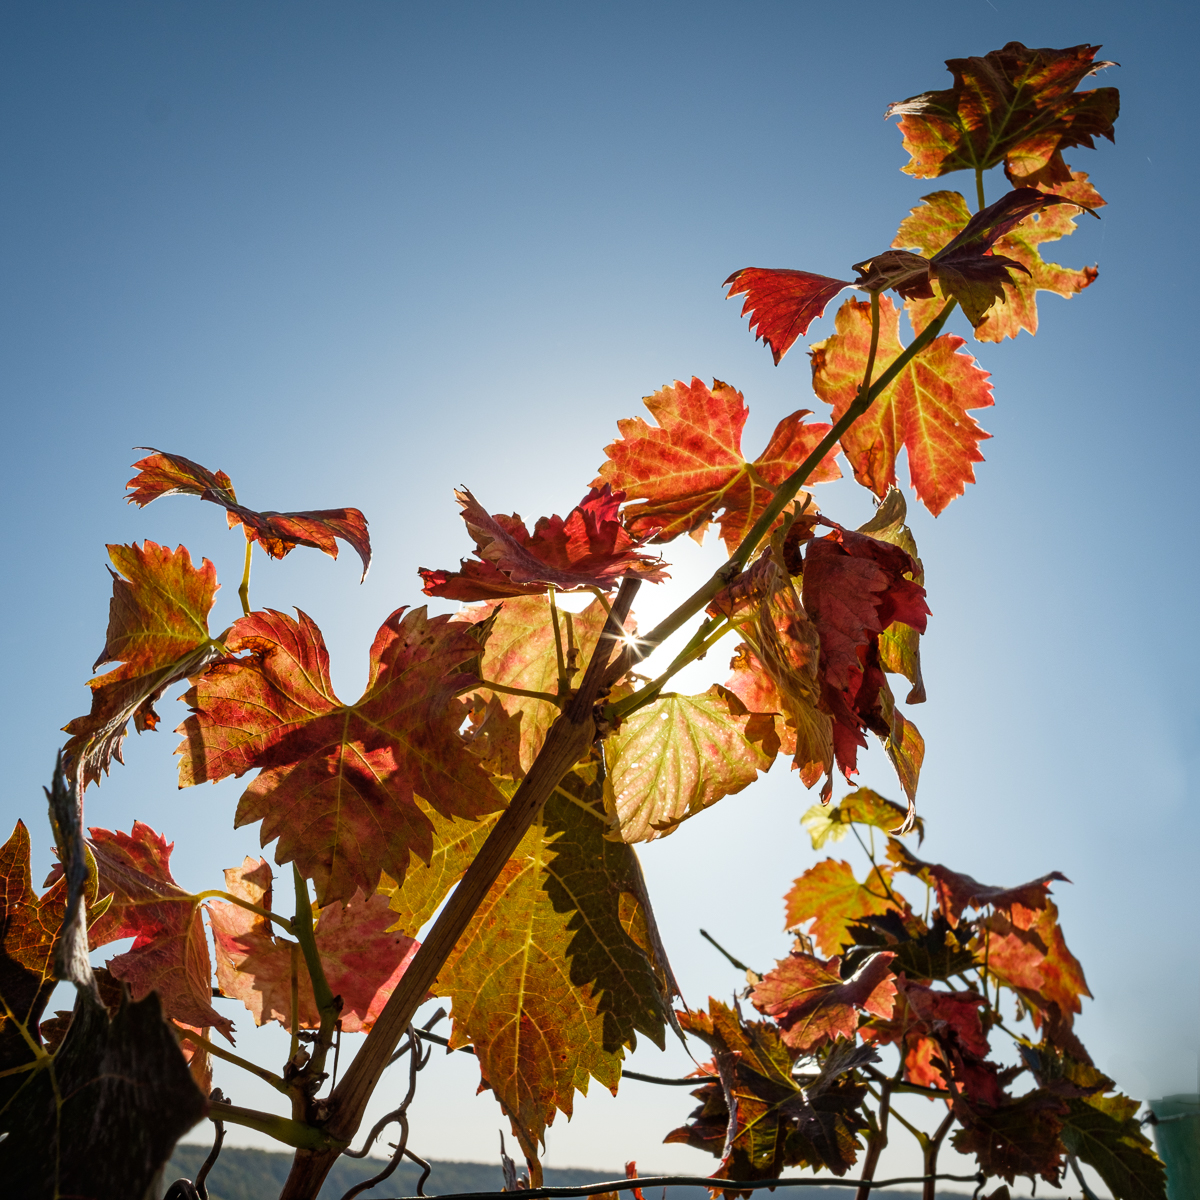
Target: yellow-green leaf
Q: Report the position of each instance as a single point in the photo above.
(547, 983)
(680, 755)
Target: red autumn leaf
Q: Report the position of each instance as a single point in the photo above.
(278, 533)
(677, 475)
(782, 304)
(956, 892)
(589, 549)
(158, 631)
(1027, 950)
(1015, 105)
(363, 962)
(924, 410)
(775, 671)
(941, 215)
(170, 953)
(942, 1037)
(950, 1015)
(337, 780)
(854, 587)
(830, 896)
(814, 1004)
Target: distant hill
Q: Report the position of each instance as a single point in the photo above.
(259, 1175)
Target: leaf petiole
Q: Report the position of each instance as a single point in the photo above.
(603, 600)
(228, 1056)
(244, 590)
(302, 925)
(512, 691)
(564, 684)
(217, 894)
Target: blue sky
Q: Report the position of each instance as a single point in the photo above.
(361, 254)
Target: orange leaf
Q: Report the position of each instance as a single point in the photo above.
(158, 629)
(363, 962)
(1014, 105)
(924, 410)
(942, 215)
(677, 475)
(830, 896)
(163, 474)
(814, 1004)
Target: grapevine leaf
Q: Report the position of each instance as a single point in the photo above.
(854, 587)
(860, 807)
(520, 653)
(922, 953)
(1103, 1132)
(279, 534)
(758, 1119)
(942, 215)
(1015, 105)
(777, 673)
(1016, 1137)
(677, 475)
(899, 644)
(158, 631)
(813, 1004)
(946, 1044)
(830, 896)
(363, 962)
(1026, 949)
(782, 304)
(28, 928)
(678, 756)
(101, 1118)
(170, 952)
(197, 1057)
(590, 549)
(956, 892)
(966, 268)
(338, 781)
(550, 982)
(924, 410)
(455, 844)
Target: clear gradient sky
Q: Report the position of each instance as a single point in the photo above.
(362, 253)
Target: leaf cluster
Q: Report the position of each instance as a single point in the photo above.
(503, 762)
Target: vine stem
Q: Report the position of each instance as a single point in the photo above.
(569, 739)
(929, 1191)
(282, 1129)
(979, 187)
(877, 1140)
